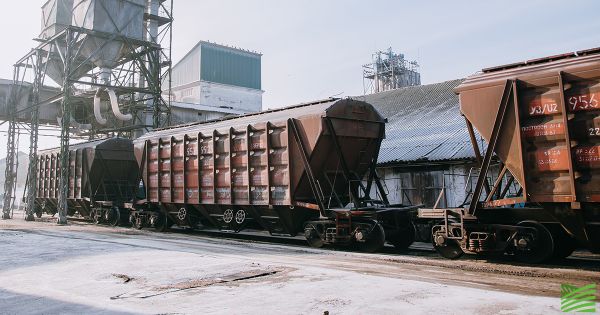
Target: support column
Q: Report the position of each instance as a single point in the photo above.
(32, 171)
(10, 172)
(64, 133)
(11, 149)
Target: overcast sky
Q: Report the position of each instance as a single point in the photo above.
(314, 49)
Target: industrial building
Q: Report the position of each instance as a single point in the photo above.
(216, 80)
(427, 149)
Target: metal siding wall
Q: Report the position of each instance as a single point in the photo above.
(422, 186)
(216, 94)
(227, 66)
(187, 70)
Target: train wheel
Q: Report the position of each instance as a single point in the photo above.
(228, 216)
(534, 248)
(182, 214)
(313, 233)
(132, 219)
(374, 241)
(447, 248)
(38, 213)
(96, 217)
(29, 217)
(240, 217)
(135, 221)
(564, 244)
(139, 223)
(404, 238)
(113, 216)
(159, 221)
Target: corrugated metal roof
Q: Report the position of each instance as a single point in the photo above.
(424, 124)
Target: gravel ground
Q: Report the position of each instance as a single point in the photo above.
(83, 268)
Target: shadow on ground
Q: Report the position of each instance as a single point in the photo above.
(16, 303)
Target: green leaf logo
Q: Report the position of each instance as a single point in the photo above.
(574, 299)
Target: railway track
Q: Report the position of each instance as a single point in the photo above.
(579, 260)
(420, 249)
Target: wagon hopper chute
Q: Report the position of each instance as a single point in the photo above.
(540, 120)
(103, 177)
(290, 170)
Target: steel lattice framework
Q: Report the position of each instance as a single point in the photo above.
(137, 80)
(389, 71)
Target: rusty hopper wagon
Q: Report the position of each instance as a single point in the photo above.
(541, 121)
(292, 170)
(102, 178)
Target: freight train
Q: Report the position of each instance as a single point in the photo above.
(311, 169)
(303, 169)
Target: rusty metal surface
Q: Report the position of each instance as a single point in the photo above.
(253, 160)
(550, 140)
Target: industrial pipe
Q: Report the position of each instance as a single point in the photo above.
(115, 106)
(97, 113)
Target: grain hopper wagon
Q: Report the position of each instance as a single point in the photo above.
(302, 169)
(103, 177)
(540, 120)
